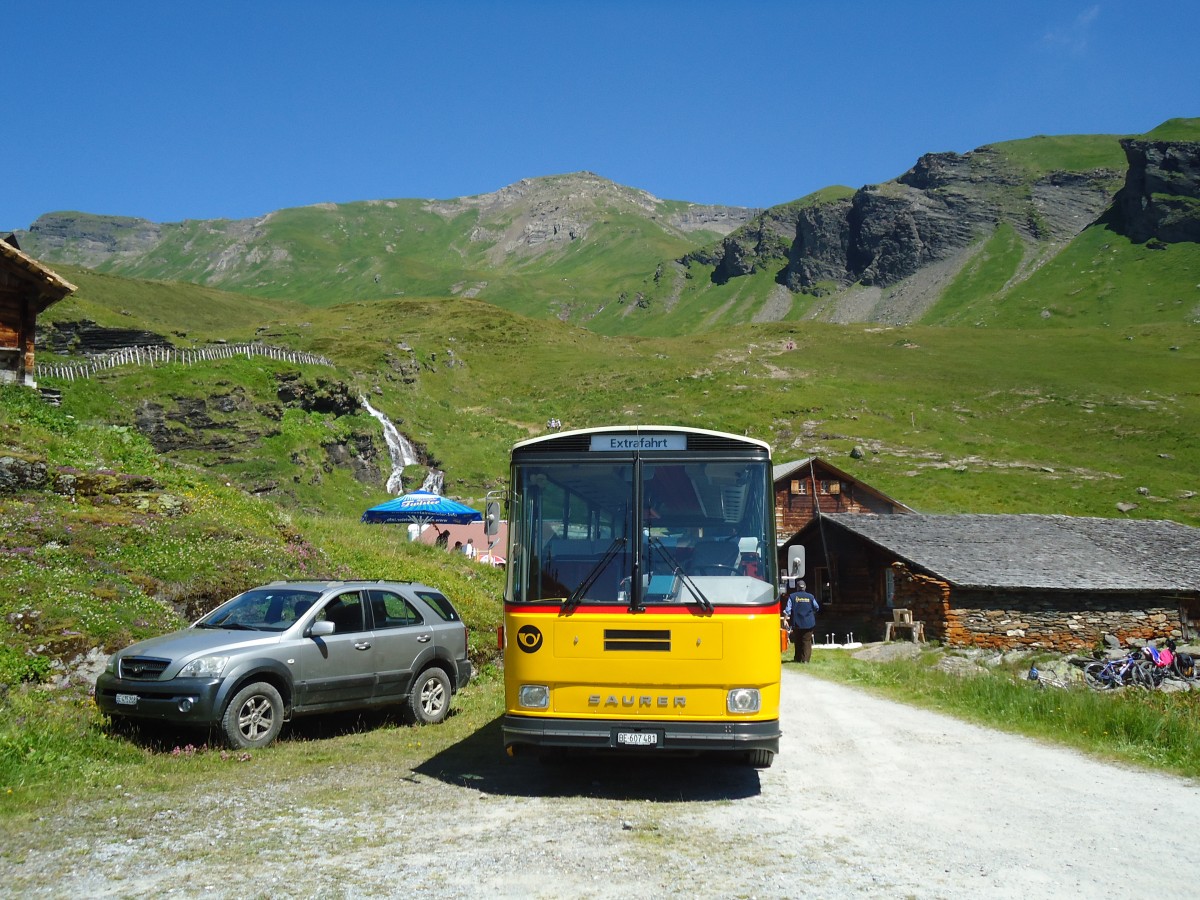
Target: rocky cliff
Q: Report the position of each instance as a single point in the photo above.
(882, 234)
(1161, 196)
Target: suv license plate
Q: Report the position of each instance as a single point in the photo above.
(126, 699)
(637, 738)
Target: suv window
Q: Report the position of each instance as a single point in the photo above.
(439, 604)
(392, 611)
(345, 611)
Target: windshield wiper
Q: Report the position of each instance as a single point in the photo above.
(231, 626)
(677, 570)
(593, 573)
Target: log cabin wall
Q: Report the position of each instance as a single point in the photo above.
(26, 289)
(16, 347)
(799, 495)
(846, 576)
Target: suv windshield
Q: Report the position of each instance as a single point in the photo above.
(263, 609)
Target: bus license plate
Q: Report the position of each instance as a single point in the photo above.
(126, 699)
(637, 738)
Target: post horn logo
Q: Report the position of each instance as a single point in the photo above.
(529, 638)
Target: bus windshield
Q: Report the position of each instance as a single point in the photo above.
(638, 532)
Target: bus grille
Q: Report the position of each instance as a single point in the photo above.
(657, 640)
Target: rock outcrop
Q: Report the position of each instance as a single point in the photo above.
(882, 234)
(326, 395)
(1161, 196)
(938, 208)
(762, 243)
(86, 338)
(19, 472)
(94, 239)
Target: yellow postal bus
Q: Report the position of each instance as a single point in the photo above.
(641, 611)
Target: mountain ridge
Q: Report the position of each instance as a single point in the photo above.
(581, 248)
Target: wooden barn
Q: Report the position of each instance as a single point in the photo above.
(27, 288)
(808, 486)
(1008, 581)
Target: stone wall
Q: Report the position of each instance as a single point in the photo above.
(1063, 621)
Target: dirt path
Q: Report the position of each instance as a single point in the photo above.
(867, 797)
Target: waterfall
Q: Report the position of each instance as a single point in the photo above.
(400, 449)
(433, 481)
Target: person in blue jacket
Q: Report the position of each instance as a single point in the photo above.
(800, 614)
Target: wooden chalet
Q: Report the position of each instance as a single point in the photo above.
(1006, 581)
(811, 485)
(27, 288)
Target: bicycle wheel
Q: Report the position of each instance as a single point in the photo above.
(1098, 676)
(1129, 674)
(1146, 675)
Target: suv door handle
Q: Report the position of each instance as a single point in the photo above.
(362, 645)
(424, 638)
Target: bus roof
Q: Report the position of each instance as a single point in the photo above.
(643, 429)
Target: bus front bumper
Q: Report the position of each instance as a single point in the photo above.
(738, 737)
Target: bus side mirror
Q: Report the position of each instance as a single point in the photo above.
(492, 519)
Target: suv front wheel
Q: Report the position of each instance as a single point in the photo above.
(429, 697)
(253, 717)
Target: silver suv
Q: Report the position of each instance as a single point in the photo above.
(293, 648)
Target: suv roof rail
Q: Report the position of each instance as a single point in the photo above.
(333, 581)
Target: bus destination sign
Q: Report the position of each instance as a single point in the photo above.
(639, 442)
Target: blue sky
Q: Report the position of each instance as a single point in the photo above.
(172, 110)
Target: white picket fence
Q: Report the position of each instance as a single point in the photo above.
(154, 356)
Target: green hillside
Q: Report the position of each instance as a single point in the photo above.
(1064, 153)
(184, 312)
(1176, 130)
(1101, 279)
(119, 543)
(1073, 418)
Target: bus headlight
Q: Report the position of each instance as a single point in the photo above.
(743, 700)
(534, 696)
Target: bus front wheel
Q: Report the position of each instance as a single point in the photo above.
(760, 759)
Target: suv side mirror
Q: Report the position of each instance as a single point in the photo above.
(322, 628)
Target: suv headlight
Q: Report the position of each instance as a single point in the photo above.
(204, 667)
(743, 700)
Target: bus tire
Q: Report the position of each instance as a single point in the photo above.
(760, 759)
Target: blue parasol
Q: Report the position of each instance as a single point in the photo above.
(424, 508)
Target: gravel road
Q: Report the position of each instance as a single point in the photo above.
(867, 797)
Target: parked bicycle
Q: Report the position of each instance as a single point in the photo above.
(1182, 664)
(1131, 670)
(1169, 662)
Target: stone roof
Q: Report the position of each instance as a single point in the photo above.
(1038, 552)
